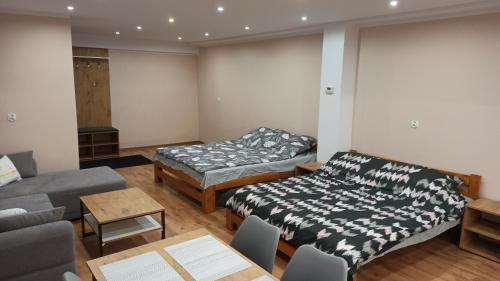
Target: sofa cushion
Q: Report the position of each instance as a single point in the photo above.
(11, 212)
(32, 202)
(8, 171)
(25, 164)
(31, 218)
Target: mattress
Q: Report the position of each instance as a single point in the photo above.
(218, 176)
(356, 207)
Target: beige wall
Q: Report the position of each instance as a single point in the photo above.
(154, 97)
(36, 83)
(446, 74)
(269, 83)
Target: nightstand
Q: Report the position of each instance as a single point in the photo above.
(307, 168)
(481, 229)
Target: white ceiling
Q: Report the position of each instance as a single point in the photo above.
(195, 17)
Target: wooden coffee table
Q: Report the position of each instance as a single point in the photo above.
(120, 214)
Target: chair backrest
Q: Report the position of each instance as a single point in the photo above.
(309, 263)
(258, 241)
(68, 276)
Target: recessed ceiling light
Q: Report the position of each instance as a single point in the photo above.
(394, 3)
(303, 18)
(220, 9)
(179, 38)
(117, 32)
(70, 8)
(171, 20)
(247, 27)
(139, 27)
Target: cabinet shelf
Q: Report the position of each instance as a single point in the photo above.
(98, 143)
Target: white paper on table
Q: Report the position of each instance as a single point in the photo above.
(207, 259)
(263, 278)
(145, 267)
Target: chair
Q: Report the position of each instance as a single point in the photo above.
(68, 276)
(309, 263)
(258, 241)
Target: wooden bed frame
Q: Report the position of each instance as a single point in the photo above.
(186, 184)
(470, 188)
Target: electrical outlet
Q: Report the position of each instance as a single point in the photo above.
(414, 124)
(12, 117)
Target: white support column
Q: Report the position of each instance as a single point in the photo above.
(338, 70)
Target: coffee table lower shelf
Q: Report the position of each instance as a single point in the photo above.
(123, 229)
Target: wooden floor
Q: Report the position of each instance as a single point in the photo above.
(437, 259)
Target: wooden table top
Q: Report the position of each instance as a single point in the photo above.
(486, 205)
(247, 274)
(120, 204)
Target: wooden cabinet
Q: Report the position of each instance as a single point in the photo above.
(98, 143)
(481, 229)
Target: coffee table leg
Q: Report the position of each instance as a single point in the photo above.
(82, 219)
(100, 239)
(163, 225)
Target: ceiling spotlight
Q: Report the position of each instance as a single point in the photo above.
(207, 34)
(304, 18)
(70, 8)
(247, 27)
(117, 32)
(394, 3)
(179, 38)
(139, 27)
(171, 20)
(220, 9)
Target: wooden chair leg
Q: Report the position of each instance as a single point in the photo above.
(208, 200)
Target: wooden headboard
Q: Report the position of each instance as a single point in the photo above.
(470, 187)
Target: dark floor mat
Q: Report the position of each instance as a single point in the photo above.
(115, 163)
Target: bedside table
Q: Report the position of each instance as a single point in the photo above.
(479, 235)
(307, 168)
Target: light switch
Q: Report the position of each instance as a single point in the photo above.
(12, 117)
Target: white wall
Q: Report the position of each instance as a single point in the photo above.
(154, 97)
(339, 62)
(446, 75)
(271, 83)
(36, 83)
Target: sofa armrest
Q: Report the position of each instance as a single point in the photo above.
(36, 249)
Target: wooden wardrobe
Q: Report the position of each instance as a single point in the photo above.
(96, 137)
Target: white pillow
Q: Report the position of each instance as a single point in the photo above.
(8, 172)
(11, 212)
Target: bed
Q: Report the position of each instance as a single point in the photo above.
(357, 207)
(264, 154)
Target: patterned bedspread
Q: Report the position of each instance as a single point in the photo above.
(259, 146)
(355, 206)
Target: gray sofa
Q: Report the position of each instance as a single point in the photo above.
(38, 252)
(45, 251)
(65, 188)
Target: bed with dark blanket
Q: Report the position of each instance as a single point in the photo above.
(262, 145)
(355, 207)
(200, 171)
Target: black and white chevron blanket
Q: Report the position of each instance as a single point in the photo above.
(355, 207)
(262, 145)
